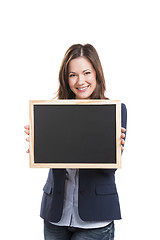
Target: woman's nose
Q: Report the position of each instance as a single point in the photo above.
(80, 79)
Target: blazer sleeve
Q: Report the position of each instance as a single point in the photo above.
(124, 118)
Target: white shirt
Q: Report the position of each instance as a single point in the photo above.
(70, 216)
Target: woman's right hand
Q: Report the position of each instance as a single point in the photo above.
(27, 132)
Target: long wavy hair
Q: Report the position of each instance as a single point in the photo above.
(75, 51)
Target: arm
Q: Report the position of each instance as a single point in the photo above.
(123, 124)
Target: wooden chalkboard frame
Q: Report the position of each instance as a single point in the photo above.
(117, 163)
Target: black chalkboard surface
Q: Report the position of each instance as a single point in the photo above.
(75, 134)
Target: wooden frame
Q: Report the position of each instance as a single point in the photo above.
(75, 102)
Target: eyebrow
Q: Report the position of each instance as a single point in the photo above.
(83, 71)
(86, 70)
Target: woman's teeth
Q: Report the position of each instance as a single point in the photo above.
(82, 88)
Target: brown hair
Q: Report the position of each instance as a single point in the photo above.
(75, 51)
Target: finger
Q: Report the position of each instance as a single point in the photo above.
(27, 151)
(123, 129)
(123, 135)
(122, 141)
(26, 127)
(122, 148)
(26, 131)
(27, 139)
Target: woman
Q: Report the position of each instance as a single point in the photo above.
(81, 203)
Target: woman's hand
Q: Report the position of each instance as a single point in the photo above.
(27, 132)
(122, 136)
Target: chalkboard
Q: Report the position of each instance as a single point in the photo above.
(75, 133)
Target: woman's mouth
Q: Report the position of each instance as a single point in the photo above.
(83, 89)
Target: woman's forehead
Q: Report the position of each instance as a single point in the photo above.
(80, 63)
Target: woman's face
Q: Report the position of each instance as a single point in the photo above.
(82, 77)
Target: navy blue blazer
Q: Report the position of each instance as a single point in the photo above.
(97, 195)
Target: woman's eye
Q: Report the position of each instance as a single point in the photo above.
(72, 75)
(87, 73)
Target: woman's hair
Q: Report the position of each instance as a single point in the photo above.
(75, 51)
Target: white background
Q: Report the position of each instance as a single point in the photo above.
(34, 36)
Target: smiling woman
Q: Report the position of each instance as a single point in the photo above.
(81, 203)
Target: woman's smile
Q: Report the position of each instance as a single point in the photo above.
(83, 89)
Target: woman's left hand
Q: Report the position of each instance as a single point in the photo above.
(123, 130)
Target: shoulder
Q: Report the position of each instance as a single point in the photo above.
(123, 109)
(123, 106)
(123, 115)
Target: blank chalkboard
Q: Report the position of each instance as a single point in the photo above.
(75, 133)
